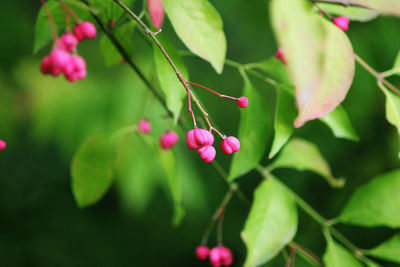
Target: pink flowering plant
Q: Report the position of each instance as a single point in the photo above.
(312, 71)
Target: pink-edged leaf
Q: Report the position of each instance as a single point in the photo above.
(319, 57)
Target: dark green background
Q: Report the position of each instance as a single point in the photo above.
(44, 120)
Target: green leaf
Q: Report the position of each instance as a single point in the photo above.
(138, 173)
(388, 250)
(271, 224)
(386, 7)
(42, 26)
(109, 10)
(254, 129)
(171, 86)
(169, 164)
(275, 69)
(337, 256)
(303, 155)
(93, 169)
(319, 55)
(376, 203)
(283, 125)
(392, 109)
(199, 26)
(352, 12)
(339, 122)
(124, 35)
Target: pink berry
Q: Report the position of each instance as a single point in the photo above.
(84, 30)
(144, 126)
(168, 140)
(45, 67)
(230, 144)
(156, 11)
(202, 252)
(215, 257)
(75, 69)
(342, 22)
(279, 55)
(242, 102)
(78, 33)
(68, 42)
(197, 138)
(226, 256)
(59, 59)
(207, 153)
(3, 145)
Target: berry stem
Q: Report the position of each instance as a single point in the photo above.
(212, 91)
(51, 21)
(217, 214)
(69, 11)
(321, 11)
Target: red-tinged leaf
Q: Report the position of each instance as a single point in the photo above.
(319, 55)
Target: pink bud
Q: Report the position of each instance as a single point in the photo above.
(226, 256)
(156, 11)
(342, 22)
(2, 145)
(75, 69)
(197, 138)
(242, 102)
(144, 126)
(68, 42)
(84, 30)
(168, 139)
(202, 252)
(207, 153)
(45, 67)
(215, 257)
(279, 55)
(230, 144)
(59, 58)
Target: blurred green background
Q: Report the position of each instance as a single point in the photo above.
(45, 119)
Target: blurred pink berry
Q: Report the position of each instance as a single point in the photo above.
(207, 153)
(168, 140)
(242, 102)
(197, 138)
(215, 257)
(45, 66)
(279, 55)
(59, 59)
(226, 256)
(342, 22)
(68, 42)
(230, 144)
(156, 11)
(202, 252)
(144, 126)
(84, 30)
(2, 145)
(75, 69)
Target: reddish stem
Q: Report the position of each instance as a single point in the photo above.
(51, 21)
(70, 11)
(212, 91)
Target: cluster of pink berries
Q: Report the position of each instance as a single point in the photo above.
(219, 256)
(341, 22)
(3, 145)
(62, 59)
(202, 140)
(167, 140)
